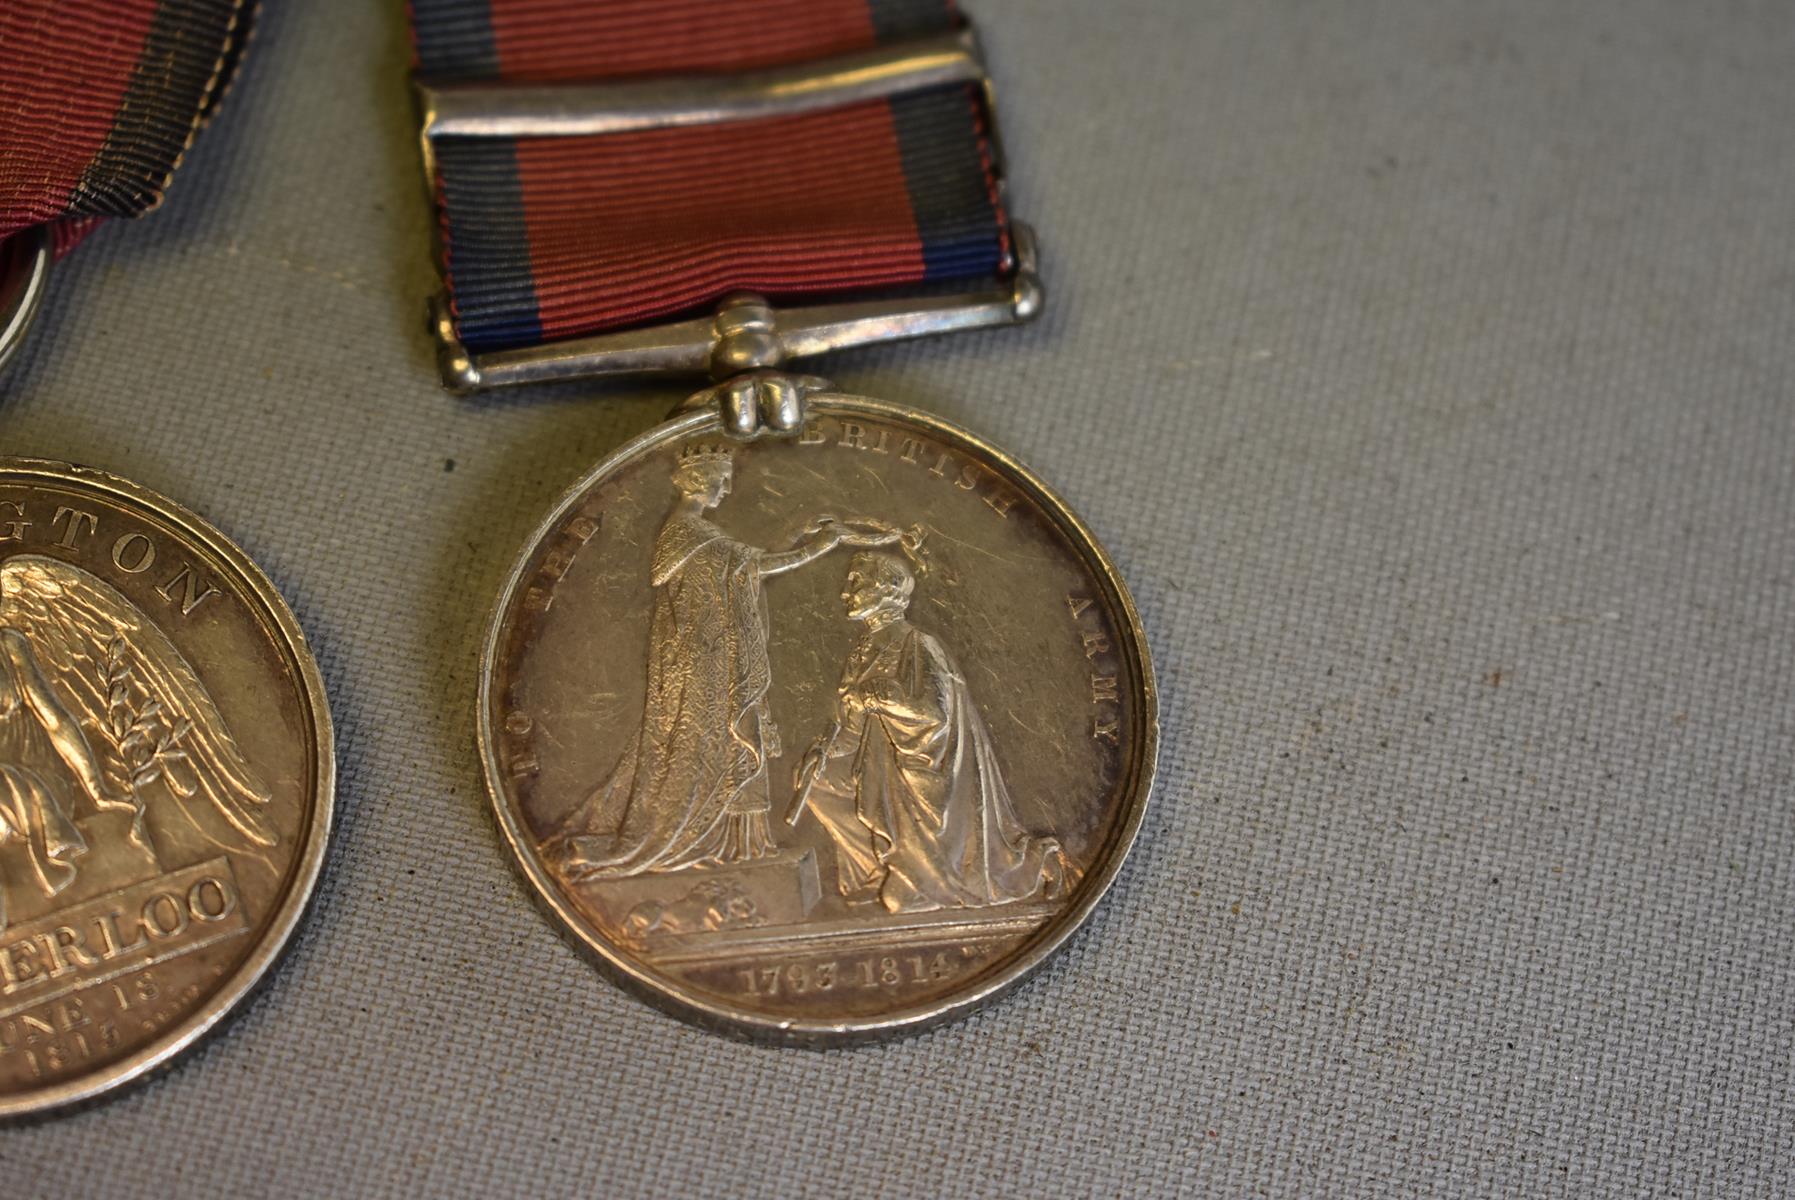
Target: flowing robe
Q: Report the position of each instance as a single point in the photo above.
(691, 787)
(912, 794)
(32, 818)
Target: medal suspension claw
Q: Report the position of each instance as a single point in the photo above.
(751, 393)
(759, 402)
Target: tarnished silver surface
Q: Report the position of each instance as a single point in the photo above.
(819, 736)
(24, 274)
(166, 775)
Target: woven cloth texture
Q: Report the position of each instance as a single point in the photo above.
(1427, 367)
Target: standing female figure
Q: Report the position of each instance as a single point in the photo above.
(691, 788)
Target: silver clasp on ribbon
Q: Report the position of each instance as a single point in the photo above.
(746, 333)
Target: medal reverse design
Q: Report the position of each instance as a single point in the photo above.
(165, 781)
(818, 737)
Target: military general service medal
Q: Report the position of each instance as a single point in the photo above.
(809, 715)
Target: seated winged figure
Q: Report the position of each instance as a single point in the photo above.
(100, 713)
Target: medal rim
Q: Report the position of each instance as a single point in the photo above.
(704, 1009)
(167, 1048)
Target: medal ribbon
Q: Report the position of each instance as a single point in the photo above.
(545, 238)
(98, 101)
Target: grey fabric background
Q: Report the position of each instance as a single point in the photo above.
(1426, 365)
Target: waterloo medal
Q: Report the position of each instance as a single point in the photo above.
(166, 761)
(166, 774)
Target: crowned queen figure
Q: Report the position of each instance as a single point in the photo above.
(691, 787)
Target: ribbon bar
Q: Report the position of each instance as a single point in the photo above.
(480, 109)
(603, 169)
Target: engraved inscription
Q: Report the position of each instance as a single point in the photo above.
(134, 552)
(100, 711)
(151, 922)
(187, 590)
(71, 520)
(12, 521)
(1106, 697)
(66, 1033)
(885, 971)
(964, 475)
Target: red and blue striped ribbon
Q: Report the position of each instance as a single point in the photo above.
(98, 101)
(548, 238)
